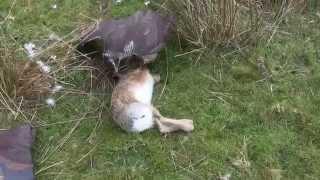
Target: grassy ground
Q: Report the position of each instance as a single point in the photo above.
(246, 124)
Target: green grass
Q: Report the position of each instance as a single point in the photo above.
(273, 124)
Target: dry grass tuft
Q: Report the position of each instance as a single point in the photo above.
(21, 81)
(7, 73)
(233, 22)
(275, 9)
(284, 4)
(31, 82)
(204, 23)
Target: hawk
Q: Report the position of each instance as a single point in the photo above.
(142, 34)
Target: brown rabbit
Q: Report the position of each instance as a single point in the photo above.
(131, 102)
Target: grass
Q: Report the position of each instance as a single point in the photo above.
(211, 23)
(247, 125)
(215, 22)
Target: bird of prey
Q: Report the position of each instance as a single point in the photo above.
(142, 34)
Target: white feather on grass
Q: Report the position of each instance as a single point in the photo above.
(118, 1)
(53, 57)
(51, 102)
(30, 48)
(146, 3)
(56, 88)
(44, 68)
(54, 37)
(225, 177)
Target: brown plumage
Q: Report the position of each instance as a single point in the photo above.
(143, 34)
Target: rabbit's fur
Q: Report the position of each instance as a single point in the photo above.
(131, 104)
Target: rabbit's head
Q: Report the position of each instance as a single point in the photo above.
(129, 65)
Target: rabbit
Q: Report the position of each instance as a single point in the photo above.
(131, 102)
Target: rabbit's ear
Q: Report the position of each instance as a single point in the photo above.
(135, 62)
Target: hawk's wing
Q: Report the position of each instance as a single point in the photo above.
(142, 34)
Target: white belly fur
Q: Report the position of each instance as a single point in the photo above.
(140, 113)
(143, 92)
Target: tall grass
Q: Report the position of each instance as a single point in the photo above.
(284, 4)
(208, 22)
(228, 22)
(7, 73)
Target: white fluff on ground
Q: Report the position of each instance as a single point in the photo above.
(50, 102)
(30, 48)
(57, 88)
(44, 68)
(146, 3)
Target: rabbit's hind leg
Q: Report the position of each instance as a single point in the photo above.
(167, 125)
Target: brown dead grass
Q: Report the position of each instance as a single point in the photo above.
(21, 81)
(233, 22)
(275, 4)
(204, 23)
(31, 83)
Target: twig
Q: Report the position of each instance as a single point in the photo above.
(48, 167)
(84, 156)
(190, 52)
(9, 13)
